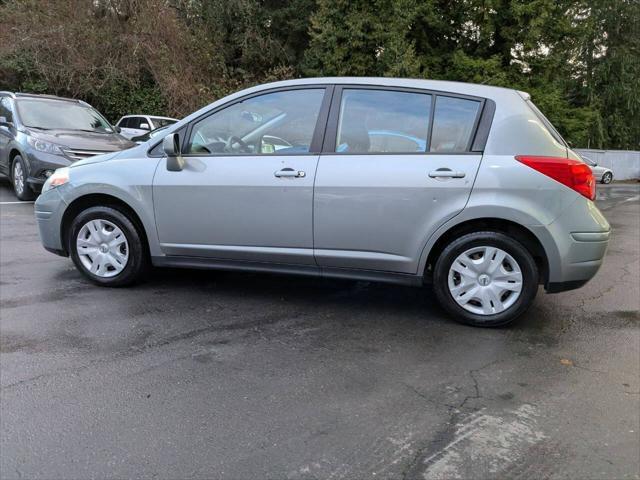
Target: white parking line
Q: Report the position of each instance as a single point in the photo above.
(16, 203)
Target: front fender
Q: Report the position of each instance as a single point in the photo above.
(127, 180)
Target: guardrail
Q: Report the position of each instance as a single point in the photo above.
(624, 163)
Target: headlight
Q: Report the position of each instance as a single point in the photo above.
(45, 147)
(57, 178)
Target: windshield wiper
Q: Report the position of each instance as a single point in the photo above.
(90, 131)
(37, 128)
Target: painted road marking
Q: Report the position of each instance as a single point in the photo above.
(486, 445)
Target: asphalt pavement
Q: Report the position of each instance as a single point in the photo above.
(198, 374)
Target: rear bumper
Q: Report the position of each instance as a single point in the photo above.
(564, 286)
(575, 245)
(579, 257)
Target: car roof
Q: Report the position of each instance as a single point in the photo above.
(38, 96)
(449, 86)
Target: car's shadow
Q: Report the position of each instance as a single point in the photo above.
(318, 296)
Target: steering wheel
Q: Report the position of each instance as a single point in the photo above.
(233, 140)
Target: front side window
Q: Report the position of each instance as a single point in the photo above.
(61, 115)
(383, 121)
(279, 122)
(136, 122)
(453, 124)
(5, 109)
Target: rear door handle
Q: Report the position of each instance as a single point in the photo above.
(290, 173)
(446, 173)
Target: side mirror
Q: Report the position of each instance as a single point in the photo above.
(145, 126)
(117, 129)
(4, 122)
(171, 148)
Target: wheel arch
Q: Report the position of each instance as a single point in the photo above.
(100, 199)
(13, 153)
(525, 236)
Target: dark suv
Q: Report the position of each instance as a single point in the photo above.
(40, 133)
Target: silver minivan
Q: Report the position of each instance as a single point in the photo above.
(465, 187)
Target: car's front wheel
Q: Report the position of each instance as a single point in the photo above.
(19, 179)
(607, 178)
(485, 279)
(107, 248)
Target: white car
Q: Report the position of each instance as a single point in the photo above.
(136, 125)
(601, 174)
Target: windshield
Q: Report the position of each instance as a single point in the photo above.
(61, 115)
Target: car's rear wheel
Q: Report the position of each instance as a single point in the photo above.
(107, 248)
(607, 178)
(485, 279)
(19, 179)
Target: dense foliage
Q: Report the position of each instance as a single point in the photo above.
(579, 59)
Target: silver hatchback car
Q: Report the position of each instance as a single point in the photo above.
(466, 187)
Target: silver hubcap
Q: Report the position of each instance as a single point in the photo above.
(606, 178)
(103, 248)
(485, 280)
(18, 180)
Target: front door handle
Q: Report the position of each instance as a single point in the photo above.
(446, 173)
(290, 173)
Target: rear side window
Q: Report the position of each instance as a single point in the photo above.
(383, 121)
(453, 124)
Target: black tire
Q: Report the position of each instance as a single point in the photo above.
(607, 178)
(138, 262)
(493, 239)
(20, 186)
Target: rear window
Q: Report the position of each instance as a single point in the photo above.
(545, 121)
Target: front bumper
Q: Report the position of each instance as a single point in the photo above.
(49, 210)
(40, 162)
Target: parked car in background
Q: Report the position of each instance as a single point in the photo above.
(136, 125)
(467, 187)
(40, 133)
(153, 133)
(601, 174)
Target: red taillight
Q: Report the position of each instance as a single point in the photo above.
(572, 173)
